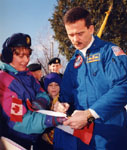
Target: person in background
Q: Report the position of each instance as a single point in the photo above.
(36, 70)
(52, 83)
(95, 81)
(54, 65)
(18, 89)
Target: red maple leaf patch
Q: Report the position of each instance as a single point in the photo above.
(16, 109)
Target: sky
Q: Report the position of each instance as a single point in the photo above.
(26, 16)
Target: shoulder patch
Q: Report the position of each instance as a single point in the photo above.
(117, 51)
(16, 110)
(78, 61)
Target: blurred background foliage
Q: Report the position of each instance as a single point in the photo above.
(114, 31)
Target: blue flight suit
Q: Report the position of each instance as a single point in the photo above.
(97, 81)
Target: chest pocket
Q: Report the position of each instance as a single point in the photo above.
(93, 62)
(96, 75)
(78, 74)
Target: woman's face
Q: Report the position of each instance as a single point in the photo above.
(53, 89)
(21, 57)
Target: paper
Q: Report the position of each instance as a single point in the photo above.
(10, 145)
(52, 113)
(67, 129)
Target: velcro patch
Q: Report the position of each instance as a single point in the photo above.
(16, 110)
(117, 51)
(93, 58)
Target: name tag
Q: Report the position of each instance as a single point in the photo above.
(93, 58)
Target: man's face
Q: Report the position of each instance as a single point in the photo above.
(79, 34)
(55, 68)
(37, 74)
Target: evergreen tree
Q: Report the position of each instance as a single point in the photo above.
(115, 30)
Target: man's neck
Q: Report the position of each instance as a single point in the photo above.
(88, 46)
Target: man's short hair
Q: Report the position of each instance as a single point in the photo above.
(77, 13)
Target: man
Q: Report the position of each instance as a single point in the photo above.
(54, 65)
(36, 72)
(95, 82)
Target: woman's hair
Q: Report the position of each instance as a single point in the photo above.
(13, 44)
(17, 50)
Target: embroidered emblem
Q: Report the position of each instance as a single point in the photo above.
(78, 61)
(16, 110)
(57, 61)
(117, 51)
(27, 40)
(93, 58)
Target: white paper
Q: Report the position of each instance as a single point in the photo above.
(67, 129)
(52, 113)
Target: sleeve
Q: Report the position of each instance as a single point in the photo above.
(66, 86)
(42, 99)
(66, 90)
(18, 118)
(34, 122)
(116, 98)
(15, 113)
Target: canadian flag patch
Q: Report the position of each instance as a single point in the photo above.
(16, 110)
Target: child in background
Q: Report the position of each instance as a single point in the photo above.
(52, 83)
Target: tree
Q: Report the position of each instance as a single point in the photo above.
(115, 30)
(44, 49)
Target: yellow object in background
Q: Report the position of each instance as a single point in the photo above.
(105, 21)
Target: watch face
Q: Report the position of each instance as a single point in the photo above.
(91, 119)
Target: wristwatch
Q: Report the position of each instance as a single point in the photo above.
(90, 120)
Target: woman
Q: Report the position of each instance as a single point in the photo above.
(18, 88)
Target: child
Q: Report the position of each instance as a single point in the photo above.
(52, 83)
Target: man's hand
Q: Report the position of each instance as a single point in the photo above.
(78, 119)
(60, 107)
